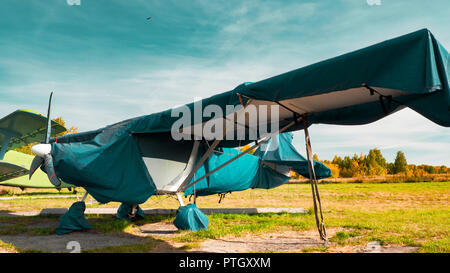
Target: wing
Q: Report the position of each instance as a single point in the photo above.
(14, 173)
(23, 127)
(365, 85)
(10, 171)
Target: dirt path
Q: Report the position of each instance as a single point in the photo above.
(4, 250)
(284, 241)
(58, 243)
(291, 242)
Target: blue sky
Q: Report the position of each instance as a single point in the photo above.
(107, 63)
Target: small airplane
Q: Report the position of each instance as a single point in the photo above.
(18, 129)
(134, 159)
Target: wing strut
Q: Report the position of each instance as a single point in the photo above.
(312, 173)
(315, 191)
(241, 154)
(4, 148)
(208, 153)
(7, 136)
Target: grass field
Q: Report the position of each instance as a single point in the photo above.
(400, 214)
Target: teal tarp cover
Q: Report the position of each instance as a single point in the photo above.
(250, 171)
(109, 167)
(125, 209)
(108, 164)
(73, 219)
(281, 151)
(190, 217)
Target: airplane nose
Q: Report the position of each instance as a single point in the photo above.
(41, 149)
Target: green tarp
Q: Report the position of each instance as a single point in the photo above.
(73, 219)
(240, 175)
(251, 171)
(191, 218)
(415, 63)
(108, 164)
(110, 169)
(281, 152)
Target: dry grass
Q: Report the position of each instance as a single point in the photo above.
(399, 214)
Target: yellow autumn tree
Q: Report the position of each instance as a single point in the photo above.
(334, 168)
(71, 130)
(315, 157)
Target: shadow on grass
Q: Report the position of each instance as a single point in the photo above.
(109, 235)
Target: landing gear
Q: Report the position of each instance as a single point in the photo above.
(180, 199)
(133, 213)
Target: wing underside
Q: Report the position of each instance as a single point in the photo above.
(248, 120)
(23, 127)
(10, 171)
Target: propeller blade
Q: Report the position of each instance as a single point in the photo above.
(50, 170)
(48, 130)
(37, 162)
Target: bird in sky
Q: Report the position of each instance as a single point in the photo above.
(149, 18)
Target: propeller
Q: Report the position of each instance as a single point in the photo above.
(43, 152)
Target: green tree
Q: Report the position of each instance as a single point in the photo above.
(337, 160)
(375, 163)
(429, 169)
(400, 164)
(390, 168)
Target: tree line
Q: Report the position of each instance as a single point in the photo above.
(374, 164)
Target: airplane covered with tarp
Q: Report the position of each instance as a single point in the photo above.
(134, 159)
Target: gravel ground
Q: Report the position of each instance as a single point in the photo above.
(290, 241)
(59, 243)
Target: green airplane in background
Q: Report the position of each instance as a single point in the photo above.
(20, 160)
(16, 130)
